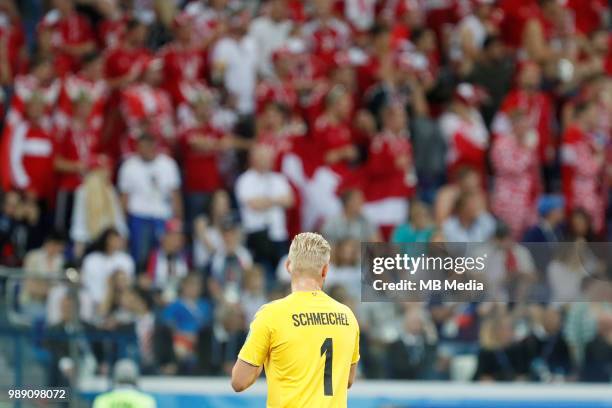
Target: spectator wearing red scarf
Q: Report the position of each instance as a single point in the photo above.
(515, 164)
(466, 135)
(68, 34)
(536, 104)
(390, 176)
(183, 59)
(582, 164)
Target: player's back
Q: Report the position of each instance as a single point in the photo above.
(312, 342)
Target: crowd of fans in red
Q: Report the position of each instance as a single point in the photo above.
(205, 133)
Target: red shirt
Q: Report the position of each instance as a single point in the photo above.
(201, 167)
(329, 136)
(280, 142)
(181, 65)
(72, 87)
(326, 38)
(384, 179)
(110, 32)
(121, 60)
(276, 91)
(75, 145)
(14, 36)
(516, 15)
(587, 14)
(27, 159)
(539, 108)
(70, 30)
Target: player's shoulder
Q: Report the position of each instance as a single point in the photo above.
(342, 308)
(272, 307)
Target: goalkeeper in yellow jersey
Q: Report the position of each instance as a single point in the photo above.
(307, 342)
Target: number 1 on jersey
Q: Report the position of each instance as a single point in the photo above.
(327, 348)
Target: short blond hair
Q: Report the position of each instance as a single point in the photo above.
(308, 253)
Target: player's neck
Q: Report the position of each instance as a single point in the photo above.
(305, 285)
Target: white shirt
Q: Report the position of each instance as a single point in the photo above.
(480, 231)
(239, 57)
(98, 266)
(252, 184)
(149, 185)
(496, 270)
(268, 35)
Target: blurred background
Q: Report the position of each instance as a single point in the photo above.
(157, 156)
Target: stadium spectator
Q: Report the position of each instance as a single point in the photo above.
(147, 108)
(62, 366)
(470, 223)
(413, 355)
(579, 226)
(168, 264)
(510, 269)
(67, 35)
(149, 183)
(187, 316)
(270, 31)
(125, 392)
(493, 70)
(41, 266)
(202, 147)
(517, 177)
(124, 64)
(234, 65)
(48, 259)
(466, 135)
(28, 148)
(183, 60)
(253, 291)
(582, 320)
(263, 196)
(549, 352)
(528, 97)
(351, 224)
(229, 263)
(219, 344)
(467, 181)
(582, 162)
(472, 31)
(78, 122)
(96, 206)
(546, 234)
(419, 227)
(207, 229)
(11, 202)
(106, 257)
(344, 267)
(568, 269)
(390, 176)
(500, 358)
(598, 352)
(548, 229)
(111, 311)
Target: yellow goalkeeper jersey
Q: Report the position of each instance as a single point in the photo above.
(307, 343)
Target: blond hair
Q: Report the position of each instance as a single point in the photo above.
(99, 198)
(309, 253)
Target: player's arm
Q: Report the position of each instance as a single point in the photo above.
(355, 356)
(254, 352)
(244, 375)
(352, 375)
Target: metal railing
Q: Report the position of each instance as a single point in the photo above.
(24, 360)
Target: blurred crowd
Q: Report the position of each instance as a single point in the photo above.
(169, 150)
